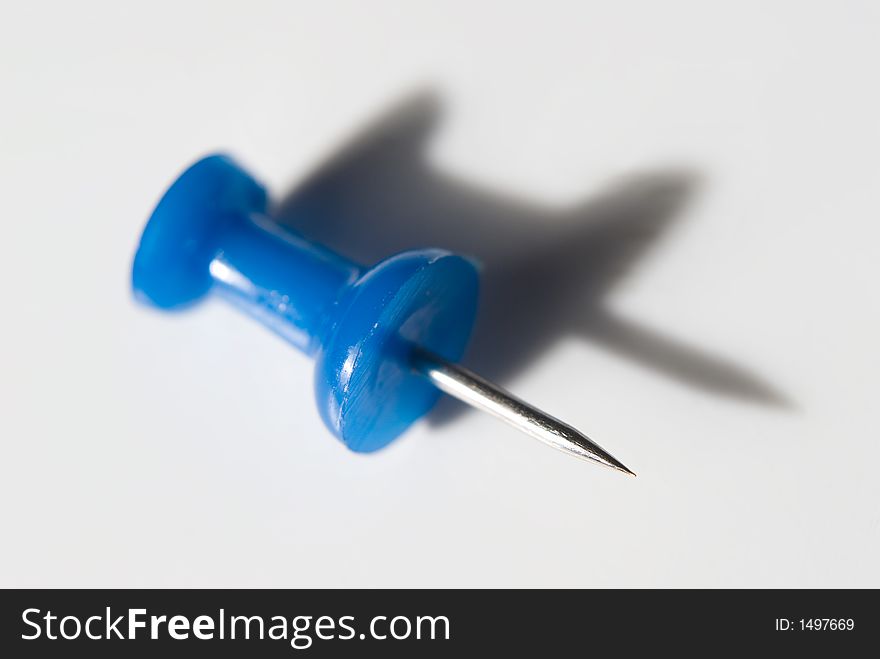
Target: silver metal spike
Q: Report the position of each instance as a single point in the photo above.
(468, 387)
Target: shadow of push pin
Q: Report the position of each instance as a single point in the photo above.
(385, 338)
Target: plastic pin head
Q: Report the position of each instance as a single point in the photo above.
(209, 234)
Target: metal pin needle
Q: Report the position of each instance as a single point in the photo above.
(470, 388)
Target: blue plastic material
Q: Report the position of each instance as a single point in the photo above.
(210, 234)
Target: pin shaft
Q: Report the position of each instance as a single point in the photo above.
(470, 388)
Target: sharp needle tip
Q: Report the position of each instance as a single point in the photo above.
(470, 388)
(586, 448)
(619, 466)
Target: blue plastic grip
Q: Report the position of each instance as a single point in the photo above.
(280, 279)
(210, 234)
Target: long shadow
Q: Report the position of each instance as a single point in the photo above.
(546, 271)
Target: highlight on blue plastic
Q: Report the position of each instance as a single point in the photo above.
(210, 234)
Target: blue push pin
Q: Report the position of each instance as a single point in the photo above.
(385, 338)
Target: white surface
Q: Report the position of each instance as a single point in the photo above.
(141, 449)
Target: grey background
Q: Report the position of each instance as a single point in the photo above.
(677, 206)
